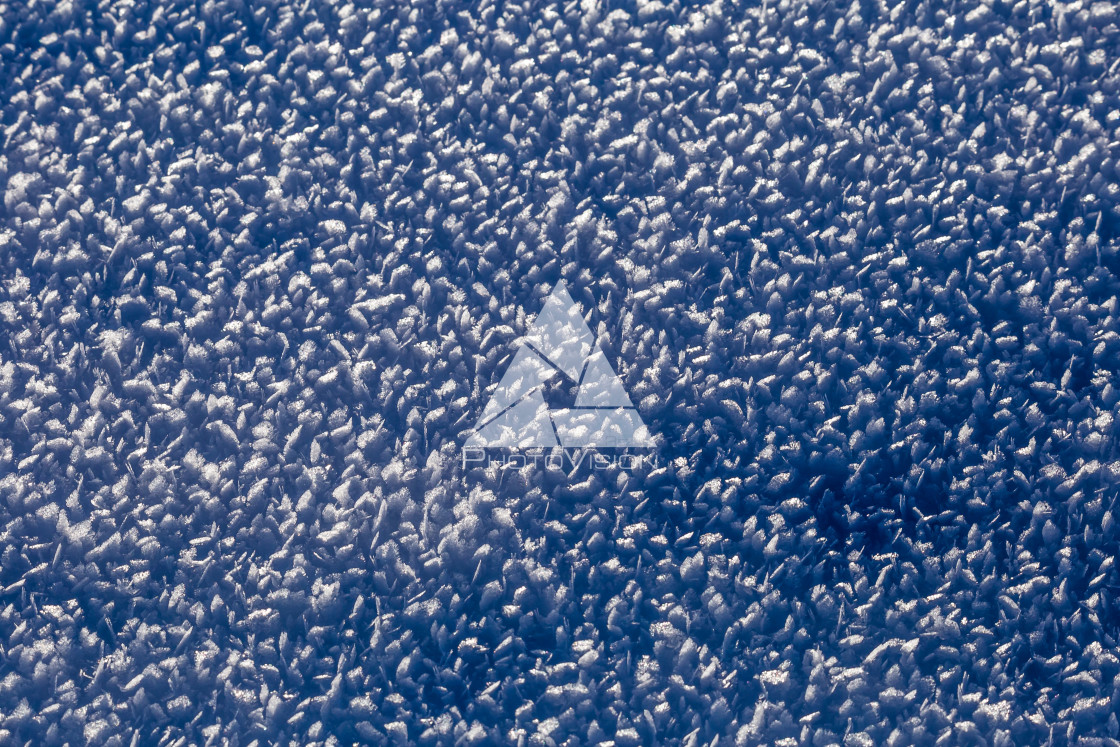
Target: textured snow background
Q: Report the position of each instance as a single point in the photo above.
(857, 266)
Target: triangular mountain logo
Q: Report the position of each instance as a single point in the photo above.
(559, 344)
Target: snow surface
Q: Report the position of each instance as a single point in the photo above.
(856, 264)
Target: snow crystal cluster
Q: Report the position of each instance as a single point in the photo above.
(857, 264)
